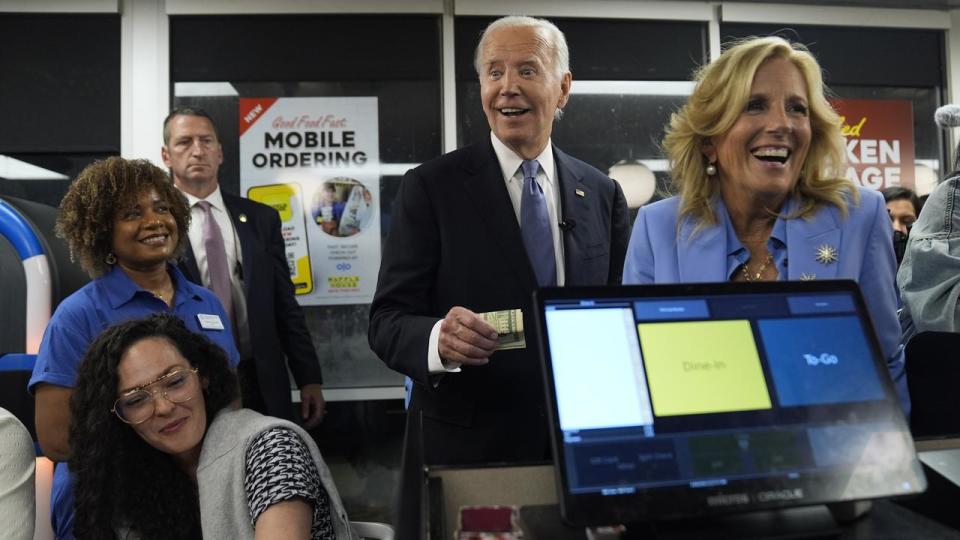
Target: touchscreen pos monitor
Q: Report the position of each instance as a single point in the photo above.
(671, 401)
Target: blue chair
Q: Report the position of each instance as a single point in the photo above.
(15, 371)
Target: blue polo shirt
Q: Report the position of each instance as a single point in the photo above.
(81, 317)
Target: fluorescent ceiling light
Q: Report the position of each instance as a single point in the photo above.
(396, 169)
(14, 169)
(932, 163)
(656, 165)
(633, 88)
(193, 89)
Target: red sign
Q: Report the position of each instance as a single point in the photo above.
(879, 133)
(251, 109)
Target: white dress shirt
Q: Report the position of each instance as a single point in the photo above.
(219, 210)
(510, 164)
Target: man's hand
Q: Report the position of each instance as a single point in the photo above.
(466, 338)
(313, 406)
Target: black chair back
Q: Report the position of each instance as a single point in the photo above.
(933, 376)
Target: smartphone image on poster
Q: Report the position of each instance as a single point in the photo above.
(287, 199)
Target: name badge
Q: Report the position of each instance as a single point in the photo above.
(210, 322)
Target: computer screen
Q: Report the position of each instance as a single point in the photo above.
(682, 400)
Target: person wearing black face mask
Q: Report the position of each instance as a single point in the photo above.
(903, 207)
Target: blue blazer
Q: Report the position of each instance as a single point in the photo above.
(659, 252)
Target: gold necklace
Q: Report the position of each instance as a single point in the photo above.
(747, 276)
(164, 297)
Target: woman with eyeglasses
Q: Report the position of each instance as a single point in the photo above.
(158, 452)
(122, 220)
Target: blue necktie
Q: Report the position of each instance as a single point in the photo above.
(535, 226)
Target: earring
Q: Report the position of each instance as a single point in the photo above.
(111, 259)
(710, 169)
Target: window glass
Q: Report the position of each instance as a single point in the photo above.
(215, 61)
(60, 100)
(625, 87)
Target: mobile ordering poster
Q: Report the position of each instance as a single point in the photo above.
(316, 161)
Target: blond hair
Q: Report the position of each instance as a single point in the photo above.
(720, 95)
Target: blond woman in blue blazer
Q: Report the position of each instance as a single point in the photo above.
(756, 158)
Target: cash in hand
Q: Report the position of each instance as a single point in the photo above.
(509, 326)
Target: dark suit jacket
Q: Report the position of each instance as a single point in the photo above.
(455, 240)
(276, 322)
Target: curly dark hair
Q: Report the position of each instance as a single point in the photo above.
(89, 209)
(121, 481)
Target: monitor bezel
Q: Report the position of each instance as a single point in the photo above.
(684, 502)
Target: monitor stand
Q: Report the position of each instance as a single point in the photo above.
(818, 521)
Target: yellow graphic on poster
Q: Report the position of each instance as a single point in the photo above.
(703, 367)
(287, 199)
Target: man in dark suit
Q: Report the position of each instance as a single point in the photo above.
(258, 294)
(479, 229)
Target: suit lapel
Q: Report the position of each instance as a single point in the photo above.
(483, 182)
(702, 257)
(806, 237)
(245, 237)
(188, 263)
(574, 208)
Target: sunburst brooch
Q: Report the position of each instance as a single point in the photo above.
(826, 254)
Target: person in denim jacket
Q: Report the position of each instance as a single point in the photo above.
(929, 278)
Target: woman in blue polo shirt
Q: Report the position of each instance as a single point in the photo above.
(122, 220)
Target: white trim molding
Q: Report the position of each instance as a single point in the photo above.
(634, 88)
(834, 15)
(281, 7)
(714, 48)
(59, 6)
(594, 9)
(448, 78)
(953, 58)
(952, 92)
(144, 78)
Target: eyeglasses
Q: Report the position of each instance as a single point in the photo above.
(139, 404)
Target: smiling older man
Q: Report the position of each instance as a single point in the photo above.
(479, 229)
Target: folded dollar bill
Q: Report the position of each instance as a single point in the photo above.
(509, 326)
